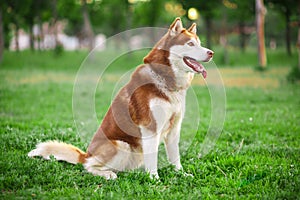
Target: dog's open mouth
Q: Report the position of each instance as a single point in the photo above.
(195, 66)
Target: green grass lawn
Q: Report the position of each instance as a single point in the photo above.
(256, 157)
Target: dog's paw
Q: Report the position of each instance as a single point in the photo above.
(109, 175)
(154, 176)
(187, 175)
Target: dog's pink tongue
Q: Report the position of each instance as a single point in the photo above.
(197, 67)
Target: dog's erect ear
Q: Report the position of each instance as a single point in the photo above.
(193, 28)
(176, 27)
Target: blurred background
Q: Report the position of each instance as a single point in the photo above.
(230, 27)
(46, 95)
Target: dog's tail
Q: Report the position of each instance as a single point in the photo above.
(60, 151)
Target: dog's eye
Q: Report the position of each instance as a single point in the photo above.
(191, 44)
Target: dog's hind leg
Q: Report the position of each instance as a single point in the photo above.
(111, 159)
(99, 171)
(97, 168)
(98, 156)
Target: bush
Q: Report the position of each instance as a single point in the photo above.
(294, 75)
(58, 50)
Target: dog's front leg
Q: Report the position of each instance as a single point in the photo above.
(172, 144)
(150, 142)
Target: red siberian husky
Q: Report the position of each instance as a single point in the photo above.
(147, 110)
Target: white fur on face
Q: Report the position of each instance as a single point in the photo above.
(197, 51)
(192, 49)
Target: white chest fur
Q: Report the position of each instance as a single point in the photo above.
(167, 113)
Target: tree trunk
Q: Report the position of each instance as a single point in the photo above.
(298, 45)
(17, 37)
(223, 38)
(129, 8)
(298, 42)
(1, 37)
(288, 31)
(41, 37)
(260, 21)
(31, 37)
(208, 25)
(54, 22)
(87, 26)
(242, 36)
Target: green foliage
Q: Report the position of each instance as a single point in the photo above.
(284, 5)
(109, 16)
(243, 11)
(256, 156)
(153, 9)
(294, 75)
(232, 17)
(71, 11)
(206, 9)
(58, 50)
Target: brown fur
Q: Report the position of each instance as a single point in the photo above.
(103, 149)
(82, 156)
(129, 111)
(130, 107)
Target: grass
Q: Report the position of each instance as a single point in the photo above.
(236, 58)
(256, 156)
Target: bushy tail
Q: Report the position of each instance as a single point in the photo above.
(60, 151)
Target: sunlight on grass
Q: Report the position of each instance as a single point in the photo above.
(232, 77)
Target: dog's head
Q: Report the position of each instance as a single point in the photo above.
(186, 49)
(182, 49)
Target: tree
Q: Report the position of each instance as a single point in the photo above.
(260, 22)
(152, 9)
(155, 12)
(208, 10)
(298, 45)
(111, 22)
(37, 9)
(87, 26)
(298, 39)
(242, 14)
(287, 8)
(1, 36)
(17, 9)
(223, 35)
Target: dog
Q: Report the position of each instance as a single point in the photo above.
(149, 109)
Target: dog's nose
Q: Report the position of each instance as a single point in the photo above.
(210, 53)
